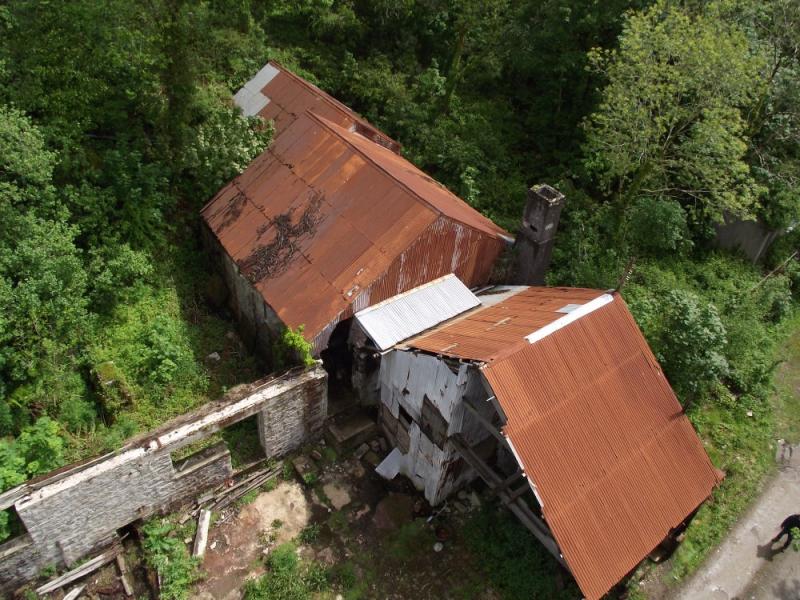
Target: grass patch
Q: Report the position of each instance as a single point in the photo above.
(288, 577)
(514, 563)
(409, 540)
(743, 446)
(242, 440)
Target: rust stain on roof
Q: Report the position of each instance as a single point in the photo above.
(326, 221)
(594, 422)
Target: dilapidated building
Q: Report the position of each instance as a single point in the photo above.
(332, 219)
(554, 399)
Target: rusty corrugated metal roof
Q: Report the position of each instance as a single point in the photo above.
(601, 435)
(487, 333)
(279, 95)
(593, 422)
(326, 221)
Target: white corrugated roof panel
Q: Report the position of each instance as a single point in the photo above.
(414, 311)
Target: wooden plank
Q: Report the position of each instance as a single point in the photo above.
(123, 574)
(242, 491)
(75, 592)
(525, 487)
(81, 571)
(201, 539)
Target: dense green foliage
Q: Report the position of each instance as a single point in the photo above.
(655, 119)
(166, 553)
(518, 567)
(291, 348)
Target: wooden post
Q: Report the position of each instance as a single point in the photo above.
(201, 539)
(123, 575)
(514, 501)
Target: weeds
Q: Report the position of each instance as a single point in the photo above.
(165, 552)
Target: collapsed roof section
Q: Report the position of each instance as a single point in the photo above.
(592, 421)
(327, 222)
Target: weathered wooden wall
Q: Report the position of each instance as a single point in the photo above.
(431, 392)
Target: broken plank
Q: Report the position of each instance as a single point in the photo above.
(81, 571)
(257, 482)
(201, 539)
(75, 592)
(123, 574)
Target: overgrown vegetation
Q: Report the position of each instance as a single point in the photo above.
(166, 552)
(517, 565)
(288, 578)
(116, 126)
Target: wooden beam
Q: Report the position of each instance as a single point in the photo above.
(525, 487)
(515, 504)
(201, 538)
(123, 574)
(81, 571)
(485, 422)
(75, 592)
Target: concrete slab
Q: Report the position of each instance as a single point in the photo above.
(348, 431)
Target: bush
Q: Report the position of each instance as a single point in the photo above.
(291, 349)
(165, 552)
(37, 450)
(288, 578)
(689, 342)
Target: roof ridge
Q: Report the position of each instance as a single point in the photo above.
(553, 326)
(337, 104)
(331, 127)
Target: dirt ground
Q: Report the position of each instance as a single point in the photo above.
(373, 534)
(237, 544)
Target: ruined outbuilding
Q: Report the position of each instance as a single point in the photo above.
(332, 219)
(81, 508)
(553, 398)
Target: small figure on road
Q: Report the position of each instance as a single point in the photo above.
(789, 523)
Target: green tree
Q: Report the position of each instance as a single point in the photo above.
(661, 129)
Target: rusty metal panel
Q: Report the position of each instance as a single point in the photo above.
(601, 435)
(490, 332)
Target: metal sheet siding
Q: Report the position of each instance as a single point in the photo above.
(381, 226)
(602, 436)
(412, 312)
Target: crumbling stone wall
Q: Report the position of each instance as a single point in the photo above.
(289, 420)
(79, 509)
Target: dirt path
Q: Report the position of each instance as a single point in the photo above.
(742, 568)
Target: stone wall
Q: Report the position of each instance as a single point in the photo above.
(79, 509)
(287, 421)
(258, 324)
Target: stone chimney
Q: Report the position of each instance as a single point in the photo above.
(534, 243)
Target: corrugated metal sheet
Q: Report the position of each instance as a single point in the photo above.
(491, 332)
(281, 96)
(375, 226)
(416, 310)
(601, 435)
